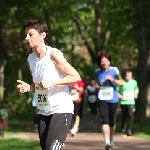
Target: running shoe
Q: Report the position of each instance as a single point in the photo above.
(123, 130)
(107, 147)
(74, 130)
(129, 133)
(112, 143)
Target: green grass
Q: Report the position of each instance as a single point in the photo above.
(12, 128)
(13, 123)
(20, 118)
(138, 129)
(18, 144)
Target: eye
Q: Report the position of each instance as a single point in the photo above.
(30, 34)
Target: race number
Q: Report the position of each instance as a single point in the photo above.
(105, 93)
(41, 98)
(92, 98)
(128, 95)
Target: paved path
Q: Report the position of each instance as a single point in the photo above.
(90, 138)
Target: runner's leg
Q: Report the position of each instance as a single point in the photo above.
(104, 113)
(53, 130)
(123, 117)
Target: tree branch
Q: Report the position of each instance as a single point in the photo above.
(75, 19)
(107, 34)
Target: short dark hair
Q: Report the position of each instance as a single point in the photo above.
(103, 56)
(38, 25)
(128, 70)
(125, 71)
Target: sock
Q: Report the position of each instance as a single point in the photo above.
(111, 137)
(107, 142)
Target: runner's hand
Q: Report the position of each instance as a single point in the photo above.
(23, 87)
(121, 97)
(45, 84)
(135, 96)
(110, 78)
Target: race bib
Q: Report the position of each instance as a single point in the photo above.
(128, 95)
(105, 93)
(92, 98)
(41, 98)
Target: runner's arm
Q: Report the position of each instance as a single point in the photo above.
(136, 92)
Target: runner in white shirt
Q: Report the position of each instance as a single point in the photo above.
(91, 93)
(51, 76)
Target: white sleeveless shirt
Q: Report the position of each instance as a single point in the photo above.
(59, 98)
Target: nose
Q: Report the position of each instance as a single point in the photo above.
(27, 37)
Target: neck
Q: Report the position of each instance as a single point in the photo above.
(41, 51)
(128, 80)
(105, 69)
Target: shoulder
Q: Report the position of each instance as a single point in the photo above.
(134, 81)
(115, 69)
(56, 54)
(97, 70)
(54, 51)
(88, 87)
(81, 83)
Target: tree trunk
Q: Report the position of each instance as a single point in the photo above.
(2, 79)
(141, 104)
(97, 27)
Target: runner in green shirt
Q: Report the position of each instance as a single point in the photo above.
(127, 94)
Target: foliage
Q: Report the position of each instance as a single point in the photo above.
(16, 102)
(101, 26)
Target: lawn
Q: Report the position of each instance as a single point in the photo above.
(18, 144)
(14, 128)
(14, 123)
(138, 129)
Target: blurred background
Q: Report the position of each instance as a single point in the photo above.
(81, 29)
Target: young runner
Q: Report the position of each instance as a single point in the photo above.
(128, 95)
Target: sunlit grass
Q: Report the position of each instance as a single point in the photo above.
(138, 129)
(18, 144)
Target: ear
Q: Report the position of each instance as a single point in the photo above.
(44, 35)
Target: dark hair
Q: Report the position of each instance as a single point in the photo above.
(128, 70)
(38, 25)
(124, 72)
(103, 56)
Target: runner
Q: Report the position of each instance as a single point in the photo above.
(128, 94)
(51, 76)
(81, 105)
(91, 91)
(108, 99)
(76, 90)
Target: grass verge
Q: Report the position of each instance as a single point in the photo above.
(138, 129)
(18, 144)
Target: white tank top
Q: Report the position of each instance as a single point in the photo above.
(44, 69)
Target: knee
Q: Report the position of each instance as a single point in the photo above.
(104, 121)
(112, 122)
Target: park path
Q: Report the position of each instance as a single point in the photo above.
(90, 138)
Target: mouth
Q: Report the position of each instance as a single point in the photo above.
(25, 42)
